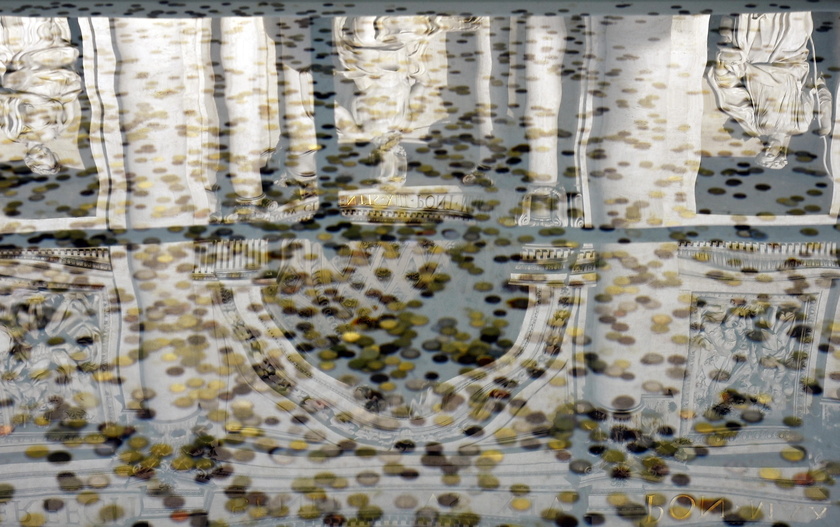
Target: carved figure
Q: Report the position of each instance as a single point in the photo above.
(754, 343)
(48, 343)
(386, 58)
(762, 79)
(39, 87)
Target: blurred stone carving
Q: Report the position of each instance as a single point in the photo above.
(396, 87)
(50, 344)
(545, 207)
(754, 343)
(39, 86)
(762, 79)
(254, 105)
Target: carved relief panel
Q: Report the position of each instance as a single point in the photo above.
(60, 337)
(755, 350)
(58, 105)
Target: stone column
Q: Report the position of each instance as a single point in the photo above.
(646, 106)
(168, 120)
(251, 101)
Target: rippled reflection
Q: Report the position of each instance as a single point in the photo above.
(419, 270)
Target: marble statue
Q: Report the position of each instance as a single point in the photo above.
(39, 87)
(762, 79)
(388, 61)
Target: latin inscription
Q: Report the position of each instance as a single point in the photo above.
(448, 202)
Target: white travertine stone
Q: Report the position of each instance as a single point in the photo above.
(834, 157)
(765, 320)
(297, 111)
(169, 120)
(178, 330)
(632, 319)
(545, 47)
(57, 341)
(398, 66)
(644, 146)
(38, 65)
(492, 79)
(251, 100)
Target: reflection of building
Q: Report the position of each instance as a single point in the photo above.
(452, 376)
(60, 340)
(761, 79)
(599, 341)
(43, 113)
(183, 129)
(340, 298)
(41, 86)
(708, 360)
(758, 345)
(644, 146)
(249, 151)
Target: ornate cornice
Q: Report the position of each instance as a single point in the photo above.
(229, 259)
(761, 257)
(97, 258)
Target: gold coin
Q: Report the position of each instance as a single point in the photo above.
(704, 428)
(488, 481)
(124, 471)
(405, 501)
(37, 451)
(236, 505)
(568, 496)
(769, 473)
(94, 439)
(661, 319)
(33, 519)
(451, 480)
(160, 450)
(617, 499)
(111, 513)
(793, 453)
(495, 456)
(99, 481)
(182, 463)
(358, 500)
(298, 445)
(258, 512)
(340, 483)
(87, 497)
(183, 402)
(138, 442)
(816, 493)
(520, 504)
(351, 336)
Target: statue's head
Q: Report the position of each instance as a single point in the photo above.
(41, 160)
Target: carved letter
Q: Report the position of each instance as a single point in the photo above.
(650, 507)
(709, 509)
(672, 512)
